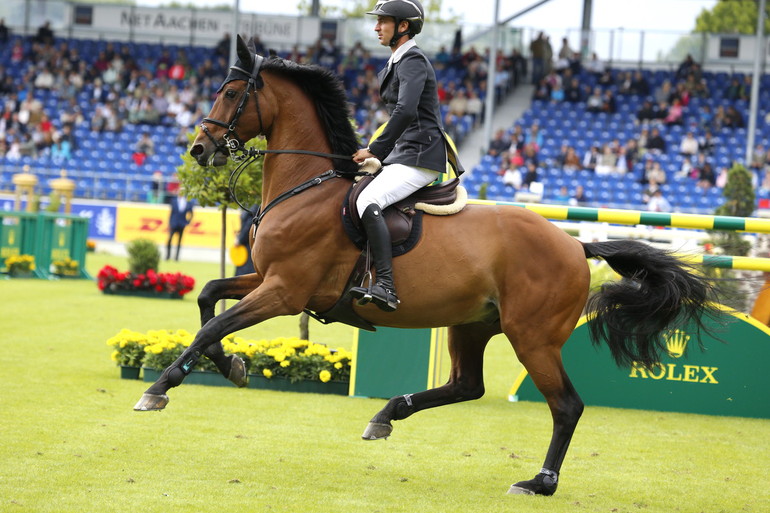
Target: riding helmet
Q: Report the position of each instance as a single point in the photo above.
(409, 10)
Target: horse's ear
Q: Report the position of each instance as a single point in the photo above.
(244, 55)
(273, 54)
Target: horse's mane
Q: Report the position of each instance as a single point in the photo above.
(328, 94)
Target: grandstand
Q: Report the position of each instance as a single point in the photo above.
(102, 165)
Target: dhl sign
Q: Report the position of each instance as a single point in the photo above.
(151, 221)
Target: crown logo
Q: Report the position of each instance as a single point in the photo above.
(676, 343)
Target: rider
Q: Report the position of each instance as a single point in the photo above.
(412, 145)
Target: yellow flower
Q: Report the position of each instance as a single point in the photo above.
(324, 376)
(115, 355)
(285, 363)
(267, 373)
(338, 365)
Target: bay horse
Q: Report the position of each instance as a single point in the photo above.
(483, 271)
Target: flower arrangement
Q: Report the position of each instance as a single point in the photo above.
(20, 264)
(66, 267)
(110, 279)
(290, 358)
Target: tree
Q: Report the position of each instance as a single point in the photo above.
(209, 186)
(739, 202)
(732, 17)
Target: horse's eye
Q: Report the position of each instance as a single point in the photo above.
(230, 93)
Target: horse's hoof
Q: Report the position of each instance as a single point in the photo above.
(150, 402)
(518, 490)
(377, 431)
(238, 372)
(542, 484)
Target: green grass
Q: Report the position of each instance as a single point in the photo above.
(70, 442)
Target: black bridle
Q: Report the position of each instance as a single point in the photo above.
(233, 147)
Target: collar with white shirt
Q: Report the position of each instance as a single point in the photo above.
(400, 51)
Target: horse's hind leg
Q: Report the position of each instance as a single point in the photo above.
(466, 381)
(232, 367)
(547, 372)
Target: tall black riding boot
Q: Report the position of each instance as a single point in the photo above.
(382, 292)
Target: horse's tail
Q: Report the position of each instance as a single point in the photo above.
(658, 293)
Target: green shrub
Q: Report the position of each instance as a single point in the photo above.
(143, 254)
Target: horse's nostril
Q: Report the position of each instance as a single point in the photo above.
(196, 150)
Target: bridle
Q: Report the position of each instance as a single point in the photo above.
(237, 151)
(232, 144)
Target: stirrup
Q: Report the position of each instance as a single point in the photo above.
(384, 298)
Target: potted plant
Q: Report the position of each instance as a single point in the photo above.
(288, 364)
(20, 266)
(148, 284)
(66, 267)
(128, 352)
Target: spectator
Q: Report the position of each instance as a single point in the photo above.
(143, 148)
(44, 34)
(733, 118)
(530, 175)
(573, 93)
(735, 91)
(675, 113)
(222, 49)
(595, 102)
(5, 32)
(721, 180)
(639, 84)
(591, 158)
(579, 197)
(654, 173)
(707, 143)
(571, 162)
(689, 145)
(607, 161)
(656, 143)
(646, 113)
(562, 197)
(595, 66)
(658, 203)
(706, 177)
(498, 144)
(608, 102)
(540, 51)
(61, 149)
(180, 216)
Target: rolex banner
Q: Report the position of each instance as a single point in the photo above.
(727, 377)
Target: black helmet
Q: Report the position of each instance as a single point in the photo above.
(409, 10)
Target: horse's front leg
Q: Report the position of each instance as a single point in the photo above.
(466, 380)
(232, 367)
(266, 302)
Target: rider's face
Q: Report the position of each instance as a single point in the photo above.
(385, 28)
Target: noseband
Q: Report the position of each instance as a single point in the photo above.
(232, 144)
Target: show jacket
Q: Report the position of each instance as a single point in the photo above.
(414, 135)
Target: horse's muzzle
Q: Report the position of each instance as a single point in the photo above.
(206, 157)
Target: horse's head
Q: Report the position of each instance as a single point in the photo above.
(236, 115)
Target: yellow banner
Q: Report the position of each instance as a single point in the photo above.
(151, 221)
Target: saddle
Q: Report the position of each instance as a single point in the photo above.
(404, 221)
(404, 218)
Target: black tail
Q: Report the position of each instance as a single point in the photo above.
(658, 293)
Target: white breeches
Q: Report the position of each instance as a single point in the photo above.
(394, 183)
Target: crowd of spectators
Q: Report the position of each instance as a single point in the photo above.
(54, 88)
(591, 89)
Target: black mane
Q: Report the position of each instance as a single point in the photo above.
(328, 94)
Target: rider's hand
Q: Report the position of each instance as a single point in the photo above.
(362, 155)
